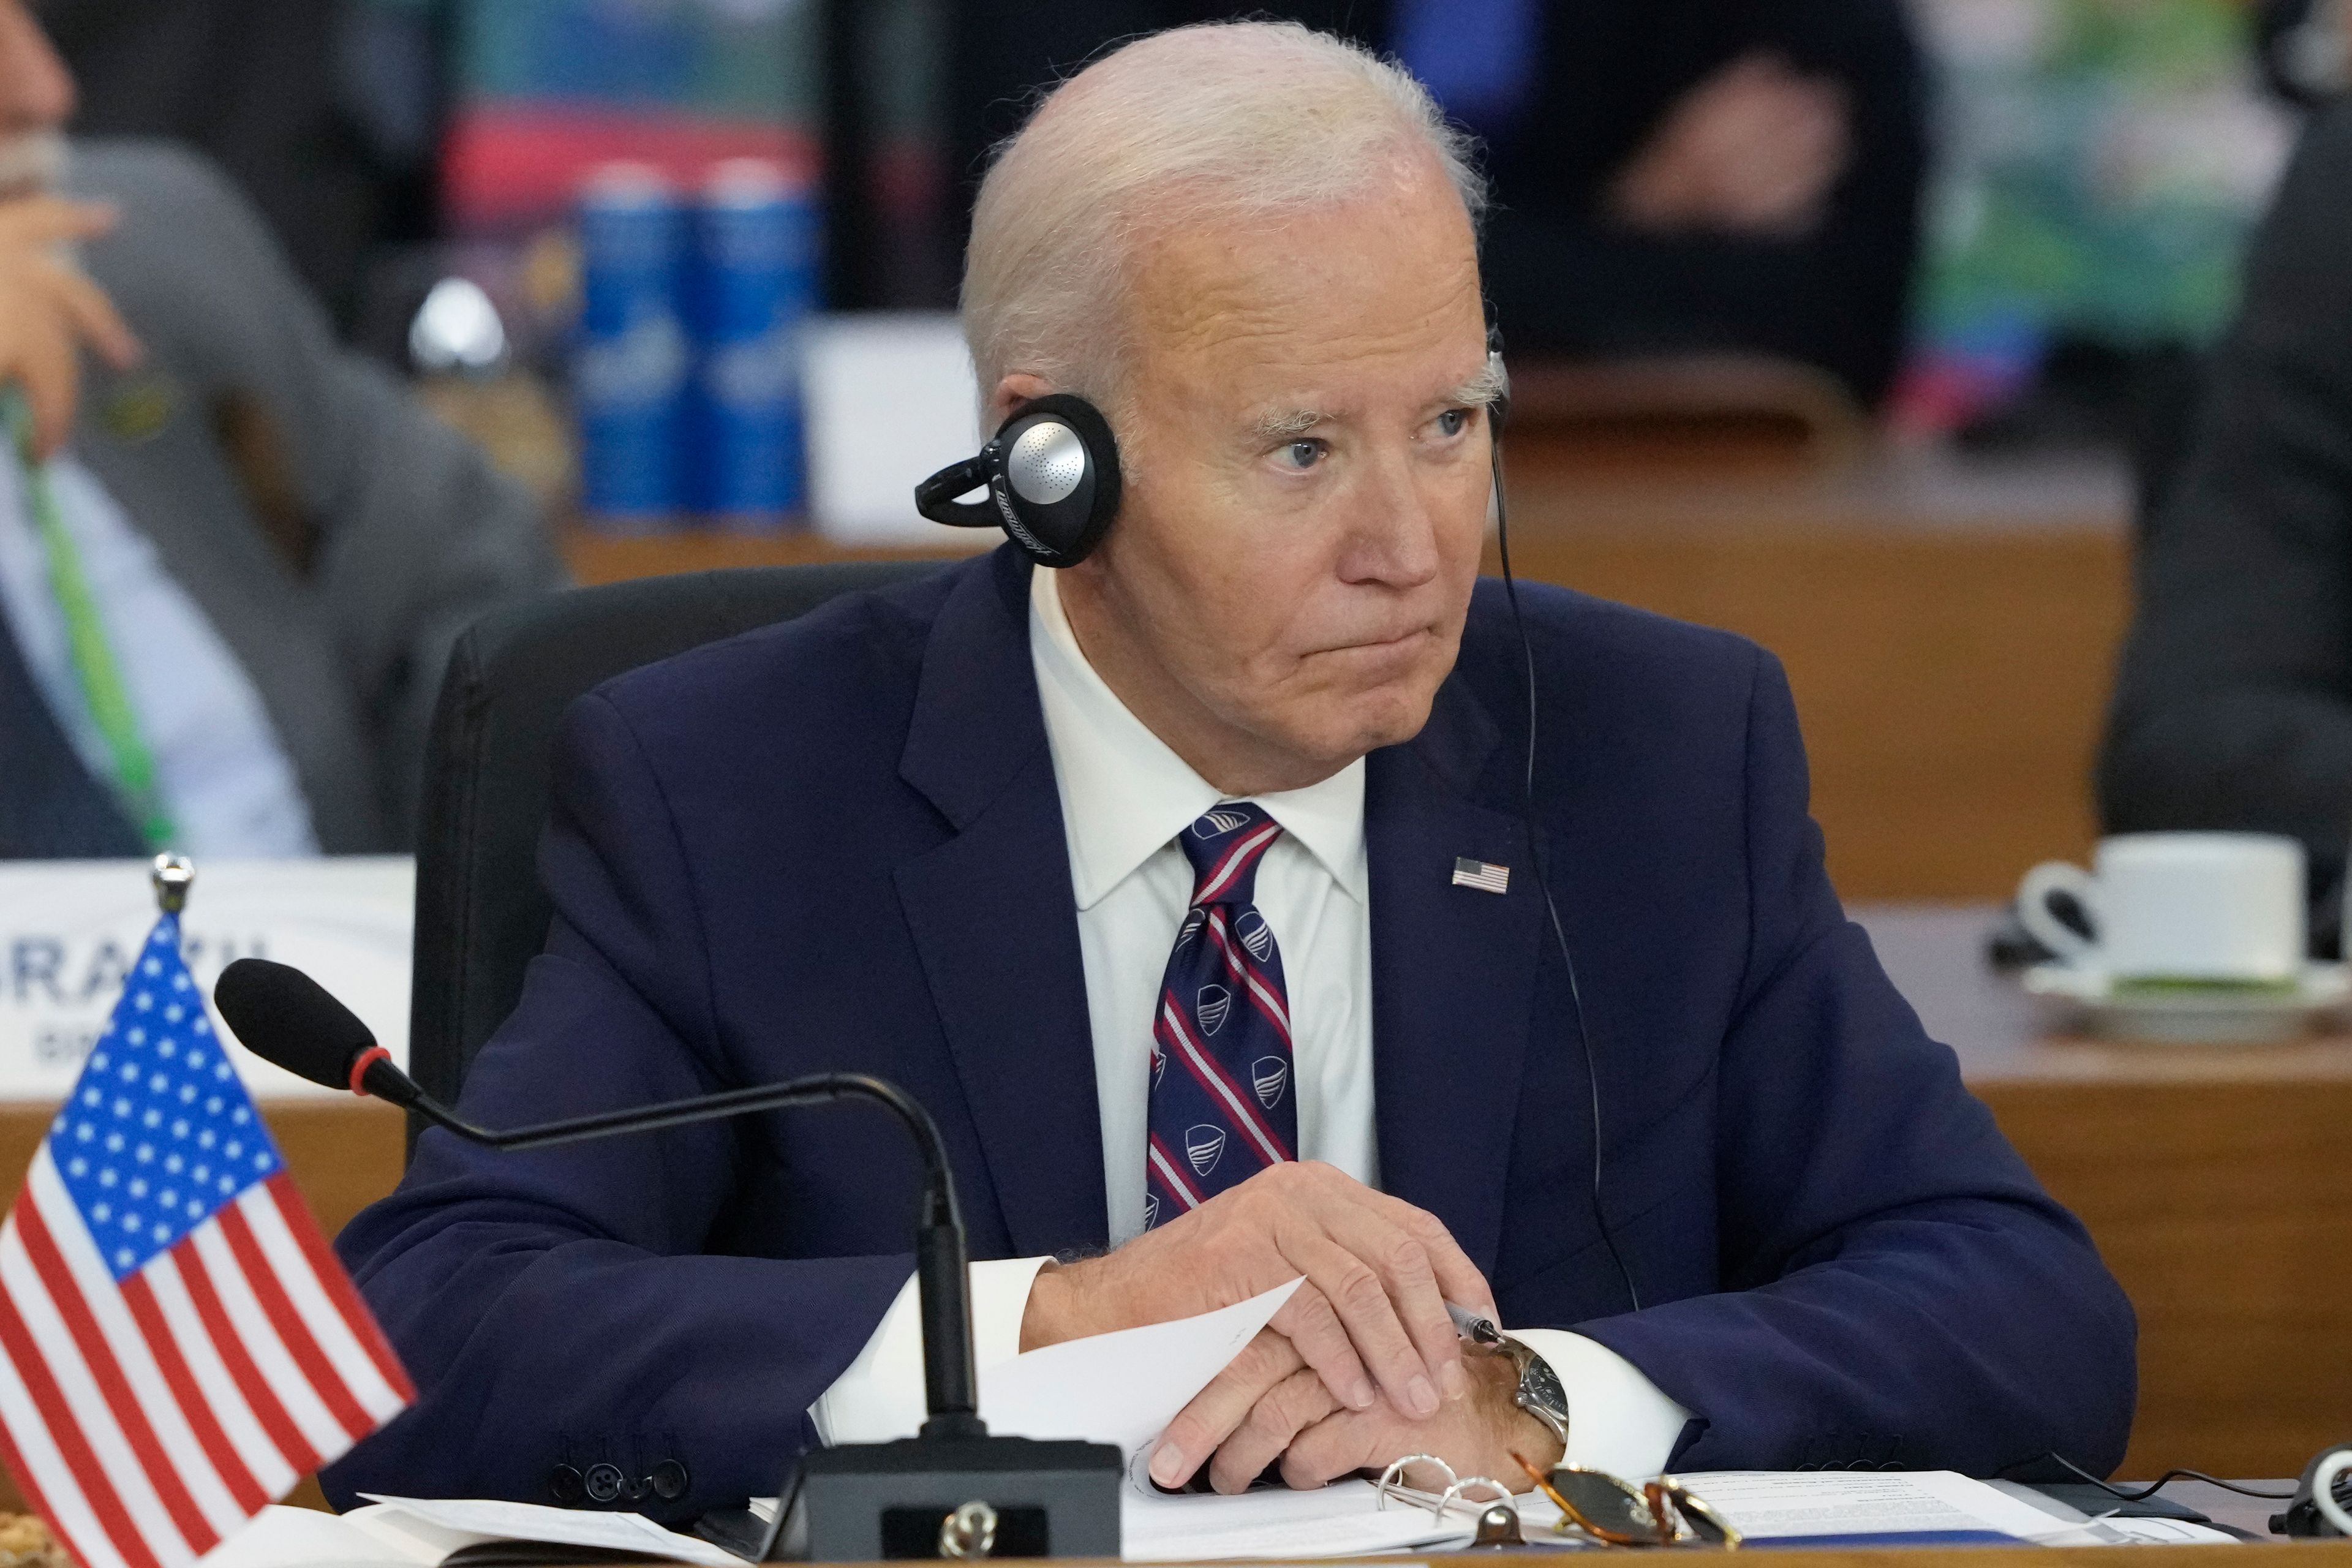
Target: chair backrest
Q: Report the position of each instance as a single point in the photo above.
(480, 911)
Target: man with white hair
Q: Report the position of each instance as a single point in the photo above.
(1199, 888)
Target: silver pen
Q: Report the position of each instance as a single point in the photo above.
(1470, 1326)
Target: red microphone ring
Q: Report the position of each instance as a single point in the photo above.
(360, 1064)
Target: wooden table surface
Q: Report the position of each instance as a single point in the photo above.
(2212, 1178)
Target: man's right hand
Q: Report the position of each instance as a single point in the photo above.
(1370, 1317)
(48, 310)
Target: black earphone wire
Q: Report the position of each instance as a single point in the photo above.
(1543, 883)
(2152, 1487)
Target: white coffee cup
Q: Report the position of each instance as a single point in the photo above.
(2178, 906)
(2322, 1489)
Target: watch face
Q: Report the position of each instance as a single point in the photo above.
(1540, 1385)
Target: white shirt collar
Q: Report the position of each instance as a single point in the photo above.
(1125, 792)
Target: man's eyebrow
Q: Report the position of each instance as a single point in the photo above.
(1286, 424)
(1483, 390)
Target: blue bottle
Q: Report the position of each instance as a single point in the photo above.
(753, 283)
(630, 359)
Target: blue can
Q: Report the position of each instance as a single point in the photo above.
(753, 285)
(631, 360)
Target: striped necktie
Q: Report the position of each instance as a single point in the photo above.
(1221, 1105)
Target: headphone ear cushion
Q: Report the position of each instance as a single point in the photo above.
(1060, 523)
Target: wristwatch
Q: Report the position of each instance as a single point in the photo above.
(1538, 1392)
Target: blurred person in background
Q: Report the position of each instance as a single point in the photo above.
(232, 571)
(1671, 176)
(2233, 702)
(2306, 48)
(324, 114)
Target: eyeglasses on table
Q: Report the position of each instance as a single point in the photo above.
(1593, 1503)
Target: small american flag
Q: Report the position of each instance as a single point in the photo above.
(177, 1345)
(1483, 874)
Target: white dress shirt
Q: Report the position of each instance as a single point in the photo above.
(1125, 797)
(219, 768)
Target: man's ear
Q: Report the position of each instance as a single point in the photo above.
(1010, 392)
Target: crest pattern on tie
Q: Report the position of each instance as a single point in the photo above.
(1222, 1109)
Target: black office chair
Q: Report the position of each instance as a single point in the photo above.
(480, 912)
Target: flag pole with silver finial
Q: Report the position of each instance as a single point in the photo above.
(173, 876)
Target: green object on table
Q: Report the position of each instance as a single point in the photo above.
(93, 658)
(2184, 985)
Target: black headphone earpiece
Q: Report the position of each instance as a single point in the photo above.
(1052, 477)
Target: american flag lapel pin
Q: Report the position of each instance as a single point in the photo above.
(1483, 874)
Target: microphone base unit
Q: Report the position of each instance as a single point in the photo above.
(871, 1502)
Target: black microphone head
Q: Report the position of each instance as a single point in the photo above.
(290, 1020)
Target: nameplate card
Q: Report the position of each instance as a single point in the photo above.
(70, 929)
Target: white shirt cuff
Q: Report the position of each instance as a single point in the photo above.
(1617, 1421)
(880, 1397)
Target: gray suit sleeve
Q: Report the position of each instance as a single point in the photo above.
(420, 537)
(2234, 703)
(413, 533)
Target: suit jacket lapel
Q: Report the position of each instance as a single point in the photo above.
(50, 805)
(1453, 972)
(993, 918)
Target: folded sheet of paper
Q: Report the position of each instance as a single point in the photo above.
(1121, 1388)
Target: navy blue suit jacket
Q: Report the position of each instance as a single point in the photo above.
(837, 844)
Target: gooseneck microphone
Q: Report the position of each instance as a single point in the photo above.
(289, 1019)
(847, 1504)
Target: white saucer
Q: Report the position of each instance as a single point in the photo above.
(2218, 1017)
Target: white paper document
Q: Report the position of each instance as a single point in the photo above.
(1341, 1521)
(1122, 1388)
(2157, 1533)
(486, 1520)
(280, 1537)
(1782, 1505)
(407, 1532)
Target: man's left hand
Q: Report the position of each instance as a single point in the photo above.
(1318, 1441)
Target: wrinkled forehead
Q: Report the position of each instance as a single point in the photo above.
(1372, 298)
